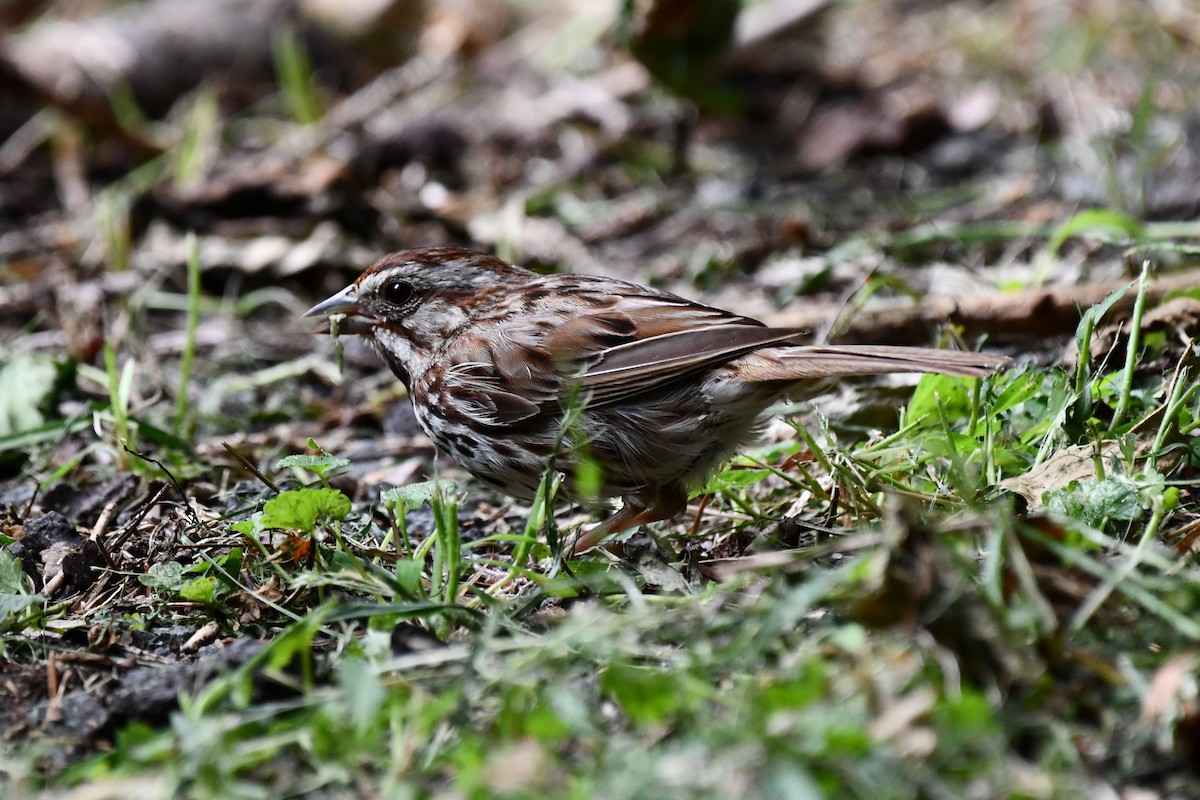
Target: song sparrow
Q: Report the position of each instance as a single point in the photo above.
(490, 353)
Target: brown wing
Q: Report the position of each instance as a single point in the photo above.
(623, 343)
(638, 366)
(617, 340)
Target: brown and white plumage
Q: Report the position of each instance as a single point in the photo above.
(490, 353)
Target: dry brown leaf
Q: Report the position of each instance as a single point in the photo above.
(1075, 463)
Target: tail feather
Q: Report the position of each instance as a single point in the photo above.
(822, 361)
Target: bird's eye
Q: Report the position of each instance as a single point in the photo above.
(397, 293)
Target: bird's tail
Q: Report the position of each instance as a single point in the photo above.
(822, 361)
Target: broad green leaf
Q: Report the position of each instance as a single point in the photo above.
(199, 590)
(299, 509)
(954, 393)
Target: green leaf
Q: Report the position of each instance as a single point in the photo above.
(29, 381)
(14, 588)
(12, 577)
(364, 693)
(954, 393)
(153, 433)
(11, 604)
(319, 464)
(248, 527)
(1095, 221)
(948, 446)
(1020, 389)
(733, 479)
(164, 576)
(299, 509)
(408, 575)
(415, 495)
(199, 590)
(646, 695)
(1116, 499)
(543, 722)
(53, 431)
(1091, 318)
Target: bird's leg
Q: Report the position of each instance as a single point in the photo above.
(628, 517)
(667, 503)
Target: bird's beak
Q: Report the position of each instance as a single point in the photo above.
(344, 302)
